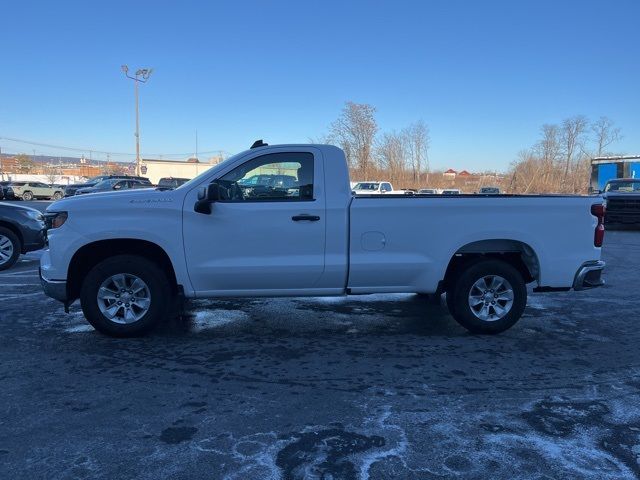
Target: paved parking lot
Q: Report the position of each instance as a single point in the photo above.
(386, 386)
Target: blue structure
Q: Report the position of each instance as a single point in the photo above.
(604, 169)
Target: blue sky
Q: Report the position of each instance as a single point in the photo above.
(483, 75)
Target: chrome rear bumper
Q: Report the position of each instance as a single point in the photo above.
(589, 275)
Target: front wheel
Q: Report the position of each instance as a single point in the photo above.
(57, 196)
(125, 296)
(488, 297)
(9, 248)
(27, 196)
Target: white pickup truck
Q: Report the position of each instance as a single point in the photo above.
(131, 255)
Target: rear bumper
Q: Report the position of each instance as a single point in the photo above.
(56, 289)
(589, 275)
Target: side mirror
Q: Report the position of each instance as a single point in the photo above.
(206, 196)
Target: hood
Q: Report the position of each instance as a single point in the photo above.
(621, 194)
(13, 206)
(111, 198)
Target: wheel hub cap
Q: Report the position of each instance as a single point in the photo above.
(124, 298)
(491, 298)
(6, 249)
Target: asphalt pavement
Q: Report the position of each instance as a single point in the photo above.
(380, 387)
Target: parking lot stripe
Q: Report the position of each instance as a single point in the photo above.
(18, 273)
(10, 296)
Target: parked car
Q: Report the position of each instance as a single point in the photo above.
(22, 230)
(169, 183)
(622, 200)
(70, 191)
(33, 191)
(427, 191)
(2, 187)
(372, 188)
(114, 184)
(131, 255)
(489, 191)
(451, 191)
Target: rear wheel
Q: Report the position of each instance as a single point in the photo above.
(10, 248)
(27, 196)
(125, 296)
(488, 297)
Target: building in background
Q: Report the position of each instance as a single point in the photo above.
(155, 169)
(604, 169)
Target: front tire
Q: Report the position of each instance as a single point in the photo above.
(10, 248)
(57, 196)
(27, 196)
(488, 297)
(125, 296)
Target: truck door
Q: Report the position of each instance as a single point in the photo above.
(265, 233)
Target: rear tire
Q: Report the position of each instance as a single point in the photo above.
(10, 248)
(135, 312)
(488, 297)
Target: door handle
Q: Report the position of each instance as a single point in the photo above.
(305, 218)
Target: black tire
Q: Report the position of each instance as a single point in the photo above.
(459, 302)
(17, 248)
(27, 196)
(56, 196)
(149, 272)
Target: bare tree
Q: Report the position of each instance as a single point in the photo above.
(24, 163)
(391, 153)
(354, 131)
(52, 174)
(548, 149)
(572, 135)
(605, 134)
(418, 142)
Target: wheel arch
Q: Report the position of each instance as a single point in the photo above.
(15, 230)
(93, 253)
(518, 254)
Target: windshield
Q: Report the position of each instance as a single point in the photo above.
(627, 187)
(366, 186)
(106, 183)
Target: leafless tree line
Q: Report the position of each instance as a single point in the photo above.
(403, 156)
(560, 161)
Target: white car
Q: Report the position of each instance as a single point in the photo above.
(373, 188)
(129, 256)
(451, 191)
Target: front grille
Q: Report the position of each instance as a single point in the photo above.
(623, 204)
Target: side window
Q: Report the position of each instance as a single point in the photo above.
(273, 177)
(387, 187)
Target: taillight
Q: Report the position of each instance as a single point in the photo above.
(598, 211)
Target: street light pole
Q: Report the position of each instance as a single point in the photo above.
(141, 76)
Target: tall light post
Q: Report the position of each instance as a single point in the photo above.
(141, 76)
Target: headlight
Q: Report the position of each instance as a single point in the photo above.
(56, 219)
(35, 215)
